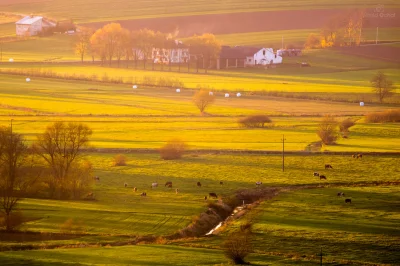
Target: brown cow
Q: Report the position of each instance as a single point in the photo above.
(168, 184)
(322, 177)
(198, 184)
(354, 156)
(359, 156)
(327, 166)
(221, 183)
(126, 185)
(213, 195)
(205, 197)
(347, 201)
(135, 189)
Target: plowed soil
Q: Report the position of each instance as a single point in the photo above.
(247, 22)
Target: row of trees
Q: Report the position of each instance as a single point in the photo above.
(51, 167)
(114, 42)
(344, 29)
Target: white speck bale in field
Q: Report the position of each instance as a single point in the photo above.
(226, 95)
(178, 90)
(238, 94)
(11, 60)
(28, 79)
(211, 93)
(134, 87)
(361, 103)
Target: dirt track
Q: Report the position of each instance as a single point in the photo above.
(246, 22)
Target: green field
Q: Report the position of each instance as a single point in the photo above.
(101, 10)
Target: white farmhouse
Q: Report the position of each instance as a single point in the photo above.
(32, 25)
(264, 56)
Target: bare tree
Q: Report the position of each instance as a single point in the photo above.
(327, 130)
(61, 147)
(382, 86)
(203, 99)
(237, 246)
(82, 46)
(18, 172)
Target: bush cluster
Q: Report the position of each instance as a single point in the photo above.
(254, 121)
(174, 149)
(389, 116)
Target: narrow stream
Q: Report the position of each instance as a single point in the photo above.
(236, 210)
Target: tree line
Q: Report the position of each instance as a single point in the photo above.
(52, 167)
(112, 42)
(344, 29)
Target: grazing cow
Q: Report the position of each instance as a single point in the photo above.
(347, 201)
(154, 184)
(126, 185)
(221, 183)
(176, 191)
(205, 197)
(198, 184)
(316, 174)
(144, 194)
(327, 166)
(97, 178)
(168, 184)
(258, 183)
(322, 177)
(135, 189)
(359, 156)
(340, 194)
(213, 195)
(354, 156)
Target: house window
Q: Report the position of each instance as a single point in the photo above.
(249, 59)
(263, 52)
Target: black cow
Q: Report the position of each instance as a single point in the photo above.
(213, 195)
(347, 201)
(198, 184)
(340, 194)
(144, 194)
(327, 166)
(316, 174)
(221, 183)
(126, 185)
(97, 178)
(322, 177)
(168, 184)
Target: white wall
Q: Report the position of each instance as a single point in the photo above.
(29, 29)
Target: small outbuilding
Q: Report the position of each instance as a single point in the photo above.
(32, 25)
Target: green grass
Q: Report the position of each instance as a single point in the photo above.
(102, 10)
(297, 224)
(7, 29)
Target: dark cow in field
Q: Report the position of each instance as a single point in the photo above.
(126, 185)
(168, 184)
(316, 174)
(258, 183)
(327, 166)
(144, 194)
(97, 178)
(340, 194)
(322, 177)
(359, 156)
(354, 156)
(213, 195)
(347, 200)
(205, 197)
(221, 183)
(198, 184)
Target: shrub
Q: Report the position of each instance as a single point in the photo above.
(327, 130)
(15, 220)
(346, 124)
(254, 121)
(119, 160)
(237, 246)
(388, 116)
(202, 99)
(71, 226)
(174, 149)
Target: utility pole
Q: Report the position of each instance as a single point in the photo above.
(321, 257)
(376, 38)
(283, 153)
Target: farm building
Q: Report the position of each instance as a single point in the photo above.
(242, 56)
(176, 52)
(32, 25)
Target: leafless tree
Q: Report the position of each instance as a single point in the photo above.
(61, 147)
(382, 86)
(203, 99)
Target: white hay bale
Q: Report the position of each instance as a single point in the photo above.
(226, 95)
(178, 90)
(11, 60)
(28, 79)
(211, 93)
(361, 103)
(238, 94)
(134, 87)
